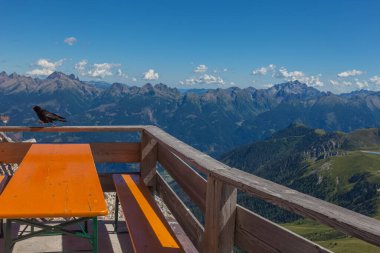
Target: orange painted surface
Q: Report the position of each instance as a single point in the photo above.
(54, 180)
(163, 235)
(1, 178)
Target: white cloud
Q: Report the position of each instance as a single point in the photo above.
(210, 79)
(204, 79)
(285, 74)
(375, 80)
(151, 74)
(361, 83)
(45, 67)
(101, 70)
(200, 69)
(349, 73)
(314, 81)
(98, 70)
(340, 83)
(81, 67)
(134, 79)
(268, 85)
(225, 69)
(122, 74)
(190, 81)
(264, 70)
(70, 41)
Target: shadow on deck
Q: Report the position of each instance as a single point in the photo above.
(109, 241)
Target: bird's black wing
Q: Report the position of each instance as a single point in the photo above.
(53, 116)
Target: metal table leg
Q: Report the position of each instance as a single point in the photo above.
(116, 214)
(1, 229)
(45, 230)
(8, 237)
(95, 235)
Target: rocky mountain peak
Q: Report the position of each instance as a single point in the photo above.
(60, 75)
(13, 75)
(3, 74)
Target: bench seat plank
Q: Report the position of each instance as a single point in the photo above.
(147, 226)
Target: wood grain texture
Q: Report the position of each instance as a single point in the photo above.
(4, 179)
(116, 152)
(140, 227)
(61, 129)
(148, 159)
(54, 180)
(191, 182)
(13, 152)
(220, 217)
(194, 230)
(257, 234)
(107, 152)
(349, 222)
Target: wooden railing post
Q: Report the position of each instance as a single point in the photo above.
(219, 217)
(148, 159)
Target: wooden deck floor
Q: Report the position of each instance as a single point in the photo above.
(109, 242)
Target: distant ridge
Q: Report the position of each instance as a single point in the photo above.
(213, 120)
(328, 165)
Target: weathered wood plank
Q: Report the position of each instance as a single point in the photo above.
(257, 234)
(148, 228)
(13, 152)
(219, 217)
(106, 182)
(116, 152)
(3, 182)
(148, 159)
(191, 182)
(57, 129)
(194, 230)
(351, 223)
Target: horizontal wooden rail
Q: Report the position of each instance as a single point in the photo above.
(190, 181)
(349, 222)
(253, 232)
(13, 152)
(62, 129)
(193, 229)
(256, 234)
(103, 152)
(116, 152)
(180, 159)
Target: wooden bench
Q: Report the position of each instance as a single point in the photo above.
(148, 229)
(3, 182)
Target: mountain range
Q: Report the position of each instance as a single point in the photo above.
(342, 168)
(213, 120)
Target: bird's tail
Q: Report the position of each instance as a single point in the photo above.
(61, 119)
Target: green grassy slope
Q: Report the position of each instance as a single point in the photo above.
(329, 238)
(328, 165)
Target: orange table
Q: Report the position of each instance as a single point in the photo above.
(54, 180)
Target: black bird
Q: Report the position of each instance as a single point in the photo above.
(46, 116)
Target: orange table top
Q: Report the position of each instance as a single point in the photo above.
(54, 180)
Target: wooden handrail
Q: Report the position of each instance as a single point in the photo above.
(349, 222)
(103, 152)
(59, 129)
(160, 146)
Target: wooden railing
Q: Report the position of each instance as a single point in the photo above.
(226, 223)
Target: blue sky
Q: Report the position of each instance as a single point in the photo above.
(332, 45)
